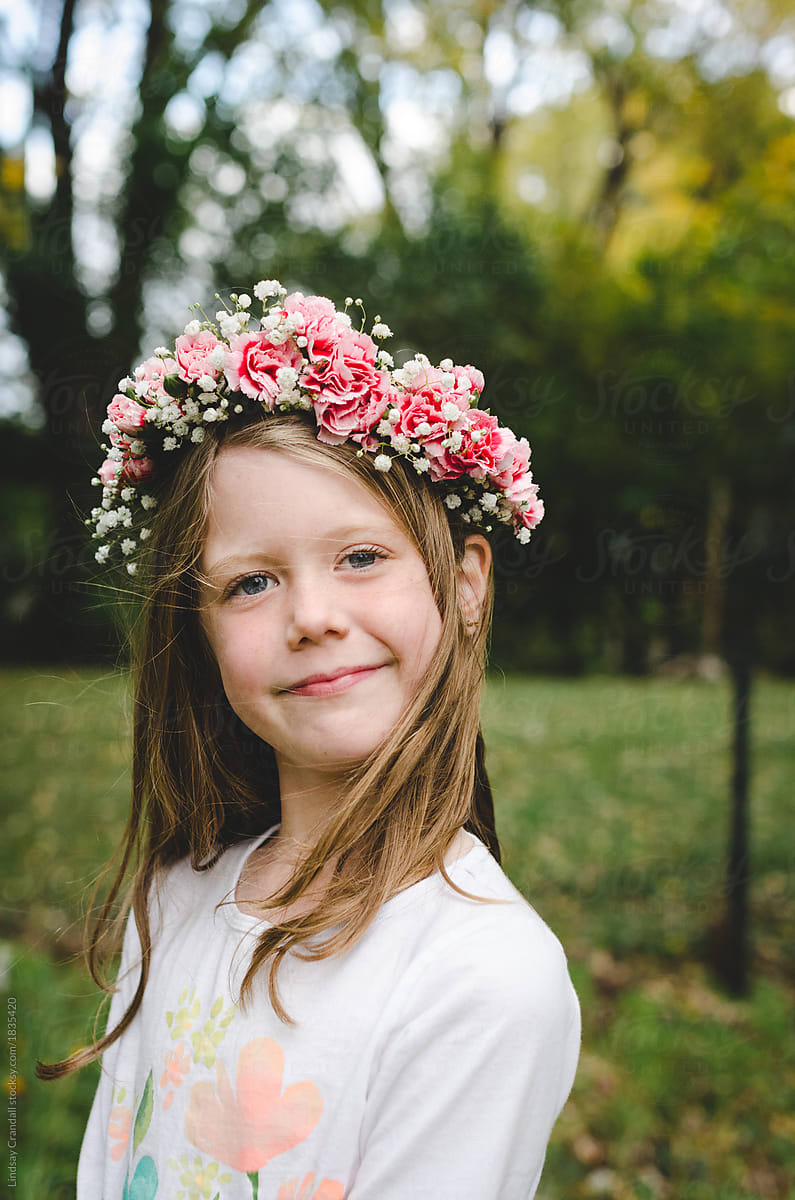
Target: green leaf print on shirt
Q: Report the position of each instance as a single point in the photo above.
(144, 1115)
(143, 1185)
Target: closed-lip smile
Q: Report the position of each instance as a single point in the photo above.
(334, 681)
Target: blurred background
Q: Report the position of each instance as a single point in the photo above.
(593, 201)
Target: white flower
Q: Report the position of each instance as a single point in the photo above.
(127, 546)
(192, 328)
(144, 533)
(476, 435)
(446, 364)
(385, 359)
(415, 446)
(127, 494)
(401, 443)
(423, 429)
(523, 536)
(393, 416)
(180, 428)
(125, 383)
(344, 320)
(224, 403)
(447, 380)
(210, 414)
(382, 462)
(207, 383)
(266, 288)
(474, 512)
(197, 435)
(102, 553)
(163, 351)
(109, 426)
(169, 443)
(148, 501)
(137, 446)
(383, 428)
(488, 502)
(452, 501)
(132, 568)
(349, 300)
(238, 409)
(422, 465)
(450, 411)
(208, 397)
(244, 301)
(217, 357)
(229, 325)
(302, 342)
(380, 330)
(96, 481)
(141, 388)
(286, 377)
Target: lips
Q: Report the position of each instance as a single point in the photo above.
(335, 681)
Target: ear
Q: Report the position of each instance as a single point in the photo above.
(473, 578)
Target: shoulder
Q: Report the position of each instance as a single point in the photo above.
(501, 960)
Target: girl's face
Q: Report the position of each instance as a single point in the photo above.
(321, 615)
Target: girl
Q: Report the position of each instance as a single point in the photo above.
(328, 988)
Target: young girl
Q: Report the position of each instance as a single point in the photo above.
(329, 988)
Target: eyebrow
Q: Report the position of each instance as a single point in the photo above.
(342, 533)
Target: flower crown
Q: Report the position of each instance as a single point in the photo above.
(306, 355)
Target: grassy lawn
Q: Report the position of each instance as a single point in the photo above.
(612, 813)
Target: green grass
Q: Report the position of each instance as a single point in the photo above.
(612, 809)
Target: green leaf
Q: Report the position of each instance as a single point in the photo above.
(175, 386)
(144, 1115)
(216, 1008)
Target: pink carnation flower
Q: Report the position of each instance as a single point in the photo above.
(317, 322)
(486, 455)
(351, 392)
(154, 371)
(533, 514)
(138, 469)
(193, 352)
(128, 415)
(421, 408)
(468, 378)
(109, 471)
(253, 363)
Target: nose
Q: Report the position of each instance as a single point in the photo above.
(315, 611)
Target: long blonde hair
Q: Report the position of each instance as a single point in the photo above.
(202, 781)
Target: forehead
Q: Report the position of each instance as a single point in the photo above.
(274, 500)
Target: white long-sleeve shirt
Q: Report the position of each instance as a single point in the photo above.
(429, 1062)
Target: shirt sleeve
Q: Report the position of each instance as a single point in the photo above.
(94, 1149)
(481, 1060)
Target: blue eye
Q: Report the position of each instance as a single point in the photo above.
(243, 584)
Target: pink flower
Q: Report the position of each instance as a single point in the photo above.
(424, 407)
(128, 415)
(154, 371)
(177, 1064)
(488, 453)
(534, 513)
(248, 1130)
(119, 1128)
(109, 471)
(468, 379)
(193, 352)
(253, 363)
(351, 392)
(138, 469)
(316, 321)
(328, 1189)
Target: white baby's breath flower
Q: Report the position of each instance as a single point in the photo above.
(476, 435)
(446, 364)
(302, 342)
(224, 403)
(101, 553)
(180, 428)
(192, 328)
(144, 533)
(344, 320)
(450, 411)
(109, 426)
(148, 501)
(523, 536)
(383, 428)
(197, 435)
(474, 512)
(210, 414)
(488, 502)
(96, 481)
(422, 465)
(393, 416)
(244, 301)
(127, 494)
(132, 568)
(208, 397)
(217, 357)
(286, 377)
(238, 409)
(169, 443)
(382, 462)
(349, 299)
(456, 438)
(447, 380)
(453, 501)
(229, 325)
(125, 383)
(423, 429)
(385, 359)
(127, 546)
(266, 288)
(163, 351)
(207, 383)
(401, 443)
(380, 330)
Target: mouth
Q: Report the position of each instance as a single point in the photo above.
(330, 685)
